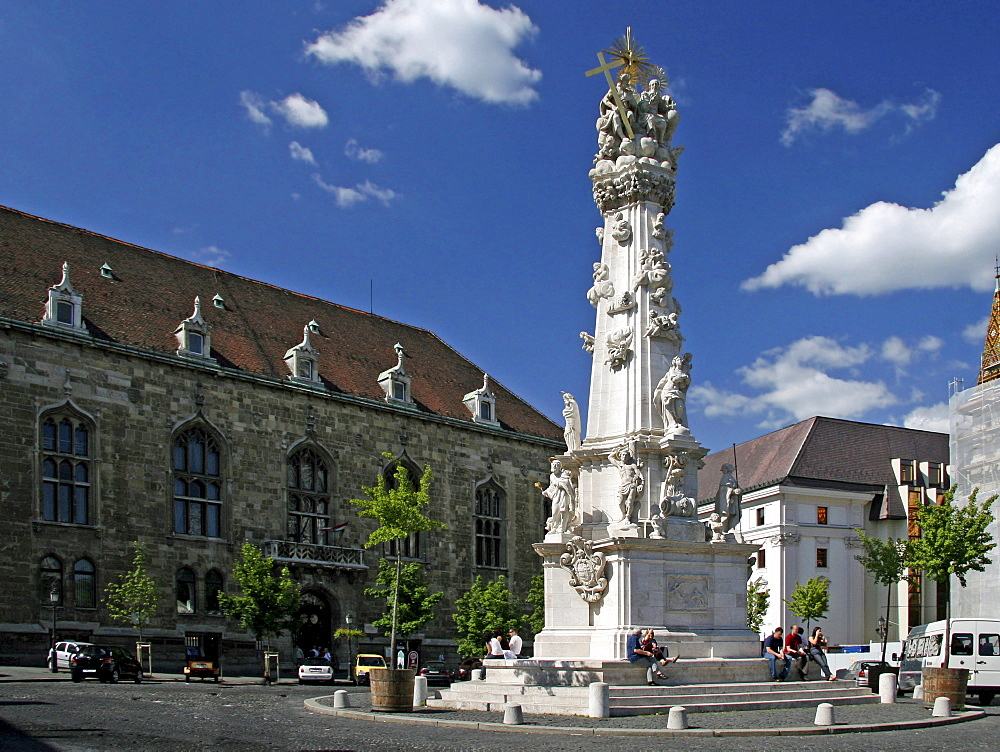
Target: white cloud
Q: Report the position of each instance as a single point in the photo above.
(301, 112)
(933, 418)
(353, 150)
(301, 153)
(887, 247)
(254, 104)
(930, 343)
(828, 111)
(346, 197)
(975, 333)
(793, 384)
(895, 351)
(460, 44)
(210, 255)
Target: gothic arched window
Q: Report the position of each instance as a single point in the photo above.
(84, 584)
(308, 497)
(50, 573)
(197, 464)
(185, 591)
(213, 587)
(66, 468)
(490, 521)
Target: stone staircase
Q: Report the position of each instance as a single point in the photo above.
(645, 700)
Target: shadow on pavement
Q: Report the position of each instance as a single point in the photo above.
(12, 739)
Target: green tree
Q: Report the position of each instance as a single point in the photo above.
(399, 513)
(535, 601)
(133, 597)
(954, 540)
(886, 562)
(484, 607)
(416, 601)
(269, 600)
(758, 597)
(810, 601)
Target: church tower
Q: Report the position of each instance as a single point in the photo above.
(989, 368)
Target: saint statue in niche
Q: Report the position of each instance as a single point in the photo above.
(631, 483)
(571, 412)
(670, 395)
(562, 495)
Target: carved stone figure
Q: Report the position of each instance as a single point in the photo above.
(610, 124)
(728, 499)
(658, 232)
(716, 528)
(603, 286)
(586, 569)
(654, 272)
(625, 302)
(664, 326)
(670, 395)
(562, 494)
(622, 231)
(588, 342)
(599, 231)
(658, 113)
(571, 412)
(631, 484)
(618, 343)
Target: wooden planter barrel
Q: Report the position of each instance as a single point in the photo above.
(392, 690)
(945, 682)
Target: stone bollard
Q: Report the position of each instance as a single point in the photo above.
(599, 700)
(887, 689)
(918, 692)
(512, 715)
(341, 699)
(677, 718)
(942, 707)
(824, 715)
(419, 691)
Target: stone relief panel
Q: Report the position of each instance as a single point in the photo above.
(687, 593)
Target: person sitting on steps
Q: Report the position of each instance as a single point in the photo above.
(660, 655)
(635, 653)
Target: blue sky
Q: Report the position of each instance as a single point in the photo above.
(837, 203)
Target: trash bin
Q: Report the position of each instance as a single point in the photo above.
(874, 672)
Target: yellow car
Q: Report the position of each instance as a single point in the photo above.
(365, 663)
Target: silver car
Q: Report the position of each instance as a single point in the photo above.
(64, 651)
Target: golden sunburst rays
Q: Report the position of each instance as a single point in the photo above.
(632, 58)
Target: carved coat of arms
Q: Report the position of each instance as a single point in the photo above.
(586, 569)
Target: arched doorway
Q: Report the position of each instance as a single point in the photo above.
(315, 621)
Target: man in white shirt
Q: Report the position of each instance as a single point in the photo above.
(515, 643)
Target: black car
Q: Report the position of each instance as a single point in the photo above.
(436, 672)
(107, 663)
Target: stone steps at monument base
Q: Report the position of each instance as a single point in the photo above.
(625, 701)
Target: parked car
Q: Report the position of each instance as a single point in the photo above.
(465, 669)
(107, 663)
(364, 664)
(436, 672)
(64, 651)
(315, 670)
(858, 671)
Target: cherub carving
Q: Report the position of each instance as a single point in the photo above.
(603, 286)
(654, 272)
(622, 231)
(664, 326)
(618, 343)
(588, 342)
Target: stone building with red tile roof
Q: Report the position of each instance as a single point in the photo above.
(807, 488)
(150, 398)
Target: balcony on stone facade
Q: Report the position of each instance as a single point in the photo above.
(314, 554)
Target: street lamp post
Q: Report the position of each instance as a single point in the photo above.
(348, 620)
(54, 602)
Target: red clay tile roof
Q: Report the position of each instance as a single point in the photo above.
(823, 450)
(151, 293)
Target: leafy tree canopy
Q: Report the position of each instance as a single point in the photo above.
(399, 510)
(886, 560)
(536, 602)
(269, 599)
(758, 597)
(953, 539)
(484, 607)
(133, 597)
(810, 601)
(416, 601)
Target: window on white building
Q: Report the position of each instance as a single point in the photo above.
(821, 558)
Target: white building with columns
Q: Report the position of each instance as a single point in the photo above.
(807, 488)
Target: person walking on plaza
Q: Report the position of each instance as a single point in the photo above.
(636, 654)
(816, 648)
(774, 651)
(796, 650)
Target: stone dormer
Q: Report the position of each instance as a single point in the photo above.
(64, 308)
(482, 403)
(303, 359)
(194, 336)
(396, 381)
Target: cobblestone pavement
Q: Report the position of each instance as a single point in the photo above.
(168, 716)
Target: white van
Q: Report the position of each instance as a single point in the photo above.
(968, 643)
